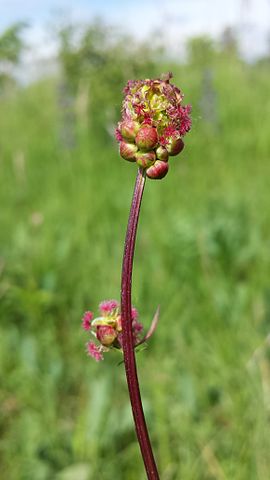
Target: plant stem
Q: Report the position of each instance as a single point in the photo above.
(127, 339)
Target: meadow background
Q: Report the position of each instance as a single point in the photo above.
(202, 254)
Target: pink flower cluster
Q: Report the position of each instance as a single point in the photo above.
(107, 329)
(153, 124)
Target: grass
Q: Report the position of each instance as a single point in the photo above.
(202, 254)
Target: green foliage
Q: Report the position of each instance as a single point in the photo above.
(201, 50)
(97, 61)
(202, 254)
(11, 43)
(11, 46)
(229, 42)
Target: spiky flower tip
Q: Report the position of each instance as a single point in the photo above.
(154, 121)
(107, 329)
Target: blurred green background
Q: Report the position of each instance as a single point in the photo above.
(202, 254)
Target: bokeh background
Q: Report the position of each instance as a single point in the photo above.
(203, 242)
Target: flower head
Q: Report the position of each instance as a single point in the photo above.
(107, 329)
(153, 124)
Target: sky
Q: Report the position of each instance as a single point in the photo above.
(175, 19)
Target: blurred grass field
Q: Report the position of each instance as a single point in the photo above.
(202, 254)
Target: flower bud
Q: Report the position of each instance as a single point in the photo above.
(106, 335)
(145, 159)
(158, 170)
(175, 146)
(147, 138)
(127, 151)
(162, 153)
(129, 129)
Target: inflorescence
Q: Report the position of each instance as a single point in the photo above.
(153, 124)
(107, 329)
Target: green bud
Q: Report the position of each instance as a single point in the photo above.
(147, 138)
(129, 129)
(145, 159)
(175, 146)
(158, 170)
(162, 153)
(128, 151)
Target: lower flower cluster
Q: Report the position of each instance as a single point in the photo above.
(107, 329)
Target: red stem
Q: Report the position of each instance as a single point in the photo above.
(127, 339)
